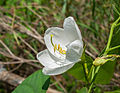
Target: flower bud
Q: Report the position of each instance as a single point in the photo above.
(99, 61)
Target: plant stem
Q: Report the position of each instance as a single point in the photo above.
(93, 78)
(91, 70)
(85, 73)
(109, 40)
(114, 48)
(110, 36)
(90, 88)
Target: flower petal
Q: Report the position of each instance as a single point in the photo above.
(58, 38)
(47, 59)
(74, 51)
(57, 70)
(53, 66)
(71, 29)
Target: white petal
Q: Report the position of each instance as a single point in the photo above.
(53, 66)
(57, 70)
(74, 51)
(71, 29)
(47, 59)
(58, 38)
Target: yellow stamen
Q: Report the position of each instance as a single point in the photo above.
(52, 35)
(58, 46)
(63, 52)
(60, 50)
(55, 47)
(51, 40)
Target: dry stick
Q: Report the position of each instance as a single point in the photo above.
(28, 45)
(6, 48)
(30, 27)
(35, 65)
(17, 58)
(17, 67)
(12, 28)
(37, 15)
(35, 6)
(9, 19)
(22, 29)
(13, 56)
(65, 91)
(90, 54)
(13, 62)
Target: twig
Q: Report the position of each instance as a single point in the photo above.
(14, 62)
(21, 29)
(65, 91)
(90, 54)
(6, 47)
(17, 67)
(37, 15)
(35, 65)
(30, 27)
(28, 45)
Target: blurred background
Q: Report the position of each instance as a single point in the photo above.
(22, 27)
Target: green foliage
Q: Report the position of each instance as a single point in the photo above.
(35, 83)
(82, 90)
(107, 69)
(116, 91)
(105, 73)
(77, 70)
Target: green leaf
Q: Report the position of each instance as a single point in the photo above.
(105, 73)
(77, 70)
(116, 91)
(83, 90)
(35, 83)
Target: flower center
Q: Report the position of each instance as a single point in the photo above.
(57, 47)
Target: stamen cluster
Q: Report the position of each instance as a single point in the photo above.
(58, 48)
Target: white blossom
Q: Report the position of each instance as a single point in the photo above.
(64, 48)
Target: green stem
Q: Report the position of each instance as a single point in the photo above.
(117, 24)
(93, 78)
(85, 73)
(114, 48)
(110, 36)
(109, 40)
(90, 73)
(90, 88)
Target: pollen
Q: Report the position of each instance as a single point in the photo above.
(52, 35)
(58, 46)
(60, 50)
(63, 52)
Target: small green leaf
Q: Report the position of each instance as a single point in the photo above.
(83, 90)
(35, 83)
(105, 73)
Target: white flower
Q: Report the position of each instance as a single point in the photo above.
(64, 48)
